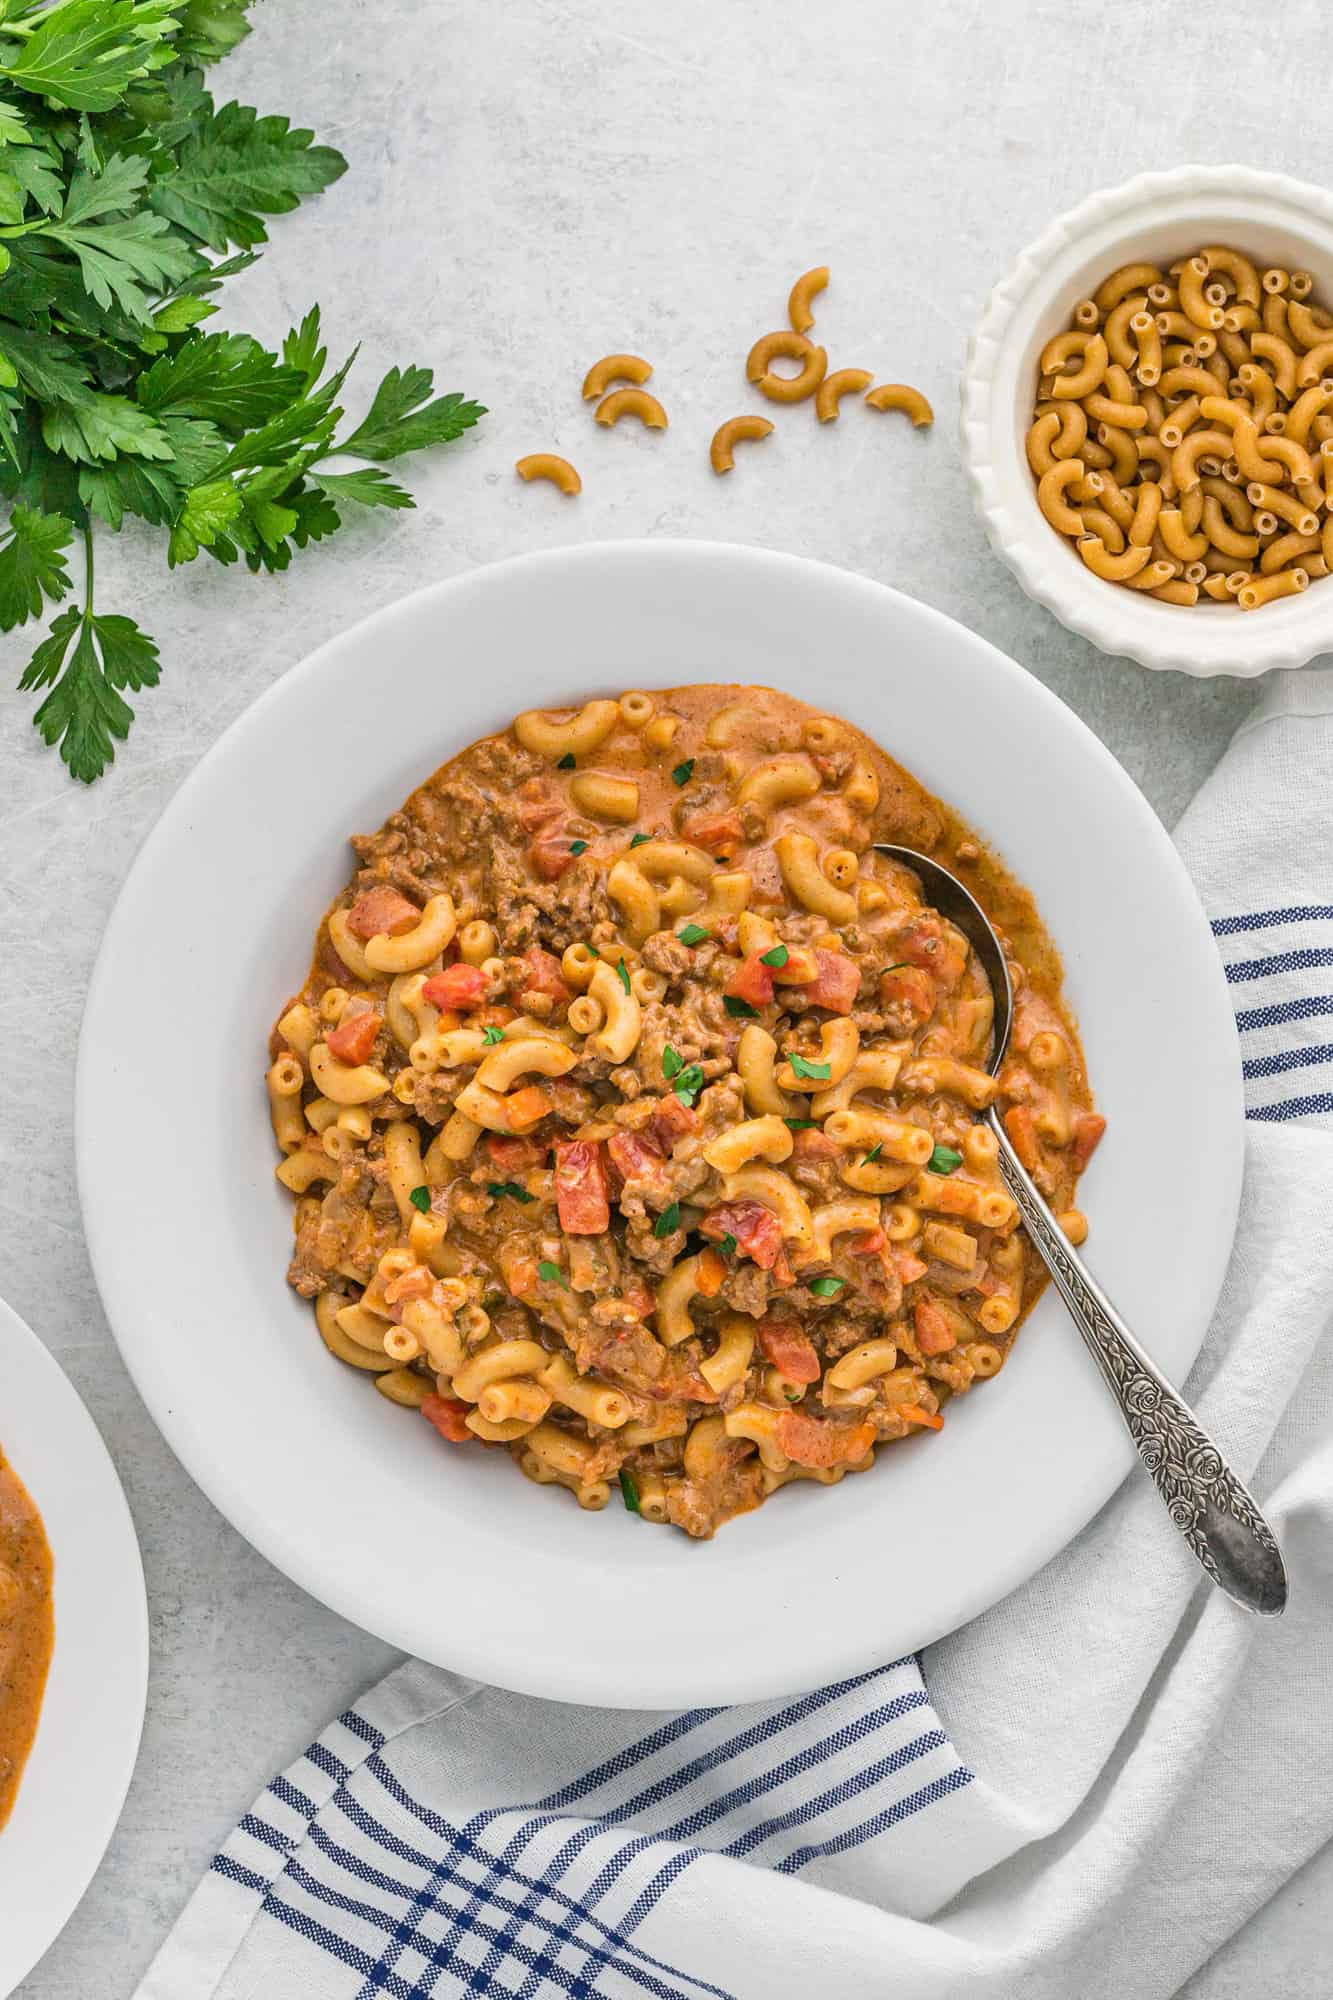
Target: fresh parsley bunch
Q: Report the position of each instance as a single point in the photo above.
(122, 189)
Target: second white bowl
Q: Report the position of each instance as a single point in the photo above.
(1160, 217)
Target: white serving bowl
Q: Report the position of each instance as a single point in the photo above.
(451, 1554)
(1159, 217)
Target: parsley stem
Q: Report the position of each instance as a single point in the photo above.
(87, 572)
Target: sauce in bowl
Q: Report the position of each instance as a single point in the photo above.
(27, 1628)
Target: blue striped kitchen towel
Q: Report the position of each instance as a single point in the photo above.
(1089, 1792)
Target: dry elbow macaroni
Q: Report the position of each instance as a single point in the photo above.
(632, 1114)
(1179, 431)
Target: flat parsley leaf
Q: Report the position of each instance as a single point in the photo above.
(813, 1072)
(85, 709)
(510, 1188)
(944, 1160)
(668, 1222)
(123, 257)
(552, 1274)
(83, 54)
(226, 378)
(32, 564)
(420, 1199)
(370, 486)
(237, 167)
(396, 422)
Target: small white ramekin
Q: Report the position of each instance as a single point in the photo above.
(1160, 217)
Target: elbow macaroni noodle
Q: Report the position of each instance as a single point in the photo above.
(1169, 386)
(631, 1114)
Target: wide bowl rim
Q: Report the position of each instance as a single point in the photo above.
(1117, 620)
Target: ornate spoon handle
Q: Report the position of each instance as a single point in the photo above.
(1217, 1517)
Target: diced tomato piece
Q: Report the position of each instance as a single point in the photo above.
(496, 1015)
(448, 1416)
(909, 988)
(921, 939)
(913, 1413)
(719, 832)
(1022, 1130)
(816, 1441)
(514, 1156)
(634, 1158)
(752, 981)
(527, 1107)
(868, 1244)
(544, 975)
(354, 1037)
(791, 1351)
(551, 854)
(934, 1328)
(1088, 1129)
(458, 988)
(580, 1189)
(909, 1267)
(536, 806)
(757, 1231)
(782, 1273)
(836, 983)
(710, 1274)
(381, 912)
(814, 1146)
(671, 1120)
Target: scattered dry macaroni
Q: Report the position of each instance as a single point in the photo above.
(614, 368)
(545, 465)
(1180, 431)
(630, 1106)
(736, 430)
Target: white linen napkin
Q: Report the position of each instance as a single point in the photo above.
(1085, 1793)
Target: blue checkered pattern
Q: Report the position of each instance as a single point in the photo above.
(551, 1896)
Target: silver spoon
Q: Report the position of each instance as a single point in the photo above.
(1217, 1517)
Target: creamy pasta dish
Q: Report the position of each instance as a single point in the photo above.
(632, 1105)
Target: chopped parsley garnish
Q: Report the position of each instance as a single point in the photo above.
(640, 840)
(944, 1160)
(668, 1222)
(903, 965)
(827, 1288)
(728, 1245)
(622, 974)
(801, 1124)
(683, 772)
(420, 1200)
(812, 1071)
(511, 1188)
(688, 1085)
(740, 1008)
(565, 763)
(552, 1274)
(793, 1392)
(578, 846)
(629, 1492)
(693, 934)
(492, 1035)
(873, 1154)
(777, 957)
